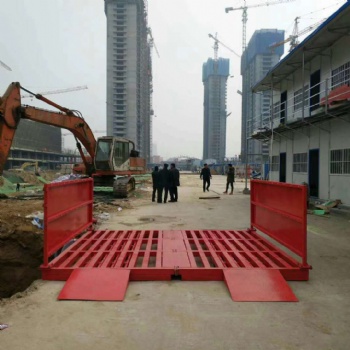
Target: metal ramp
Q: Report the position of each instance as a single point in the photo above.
(96, 284)
(100, 264)
(258, 285)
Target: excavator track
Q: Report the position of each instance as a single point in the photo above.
(123, 186)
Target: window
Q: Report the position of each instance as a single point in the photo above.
(341, 75)
(298, 99)
(275, 163)
(103, 150)
(340, 161)
(276, 109)
(121, 152)
(300, 163)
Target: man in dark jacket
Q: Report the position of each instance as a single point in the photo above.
(157, 185)
(174, 182)
(165, 175)
(230, 178)
(206, 176)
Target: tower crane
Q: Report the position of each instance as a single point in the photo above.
(151, 42)
(5, 66)
(293, 39)
(76, 88)
(216, 46)
(244, 8)
(94, 131)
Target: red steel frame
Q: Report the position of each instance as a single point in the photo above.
(200, 255)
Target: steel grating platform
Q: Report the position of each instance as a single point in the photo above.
(197, 255)
(100, 263)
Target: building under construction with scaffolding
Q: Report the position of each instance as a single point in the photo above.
(215, 74)
(309, 123)
(129, 73)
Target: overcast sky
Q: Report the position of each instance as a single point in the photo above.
(61, 44)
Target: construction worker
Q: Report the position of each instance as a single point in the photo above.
(157, 185)
(165, 176)
(230, 178)
(174, 182)
(205, 176)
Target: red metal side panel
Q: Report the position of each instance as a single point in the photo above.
(279, 210)
(67, 213)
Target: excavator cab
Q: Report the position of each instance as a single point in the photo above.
(103, 155)
(116, 160)
(115, 154)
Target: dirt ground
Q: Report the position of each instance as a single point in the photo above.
(194, 315)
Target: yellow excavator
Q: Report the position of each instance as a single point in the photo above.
(26, 165)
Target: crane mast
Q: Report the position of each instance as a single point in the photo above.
(216, 46)
(244, 9)
(293, 39)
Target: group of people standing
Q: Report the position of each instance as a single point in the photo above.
(166, 180)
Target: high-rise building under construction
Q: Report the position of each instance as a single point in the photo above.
(215, 74)
(257, 60)
(129, 73)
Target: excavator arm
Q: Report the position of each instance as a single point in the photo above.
(11, 112)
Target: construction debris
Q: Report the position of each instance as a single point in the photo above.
(210, 197)
(327, 206)
(104, 216)
(69, 177)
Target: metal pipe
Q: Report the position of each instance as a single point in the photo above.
(303, 88)
(271, 140)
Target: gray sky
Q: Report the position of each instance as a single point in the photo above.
(60, 44)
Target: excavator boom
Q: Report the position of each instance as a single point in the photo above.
(11, 112)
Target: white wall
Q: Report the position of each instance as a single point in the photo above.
(317, 137)
(331, 58)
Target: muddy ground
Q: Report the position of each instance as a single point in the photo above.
(21, 242)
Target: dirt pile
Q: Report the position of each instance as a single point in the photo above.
(21, 255)
(21, 246)
(21, 242)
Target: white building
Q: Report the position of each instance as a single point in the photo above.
(309, 128)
